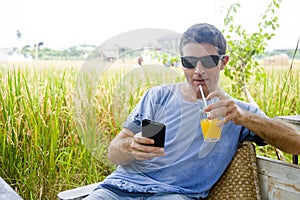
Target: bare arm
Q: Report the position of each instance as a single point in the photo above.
(127, 146)
(275, 132)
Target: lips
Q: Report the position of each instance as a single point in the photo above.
(200, 81)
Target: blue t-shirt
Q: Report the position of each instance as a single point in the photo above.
(183, 169)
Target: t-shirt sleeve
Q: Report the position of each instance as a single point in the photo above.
(246, 134)
(145, 109)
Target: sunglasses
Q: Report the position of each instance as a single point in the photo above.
(210, 61)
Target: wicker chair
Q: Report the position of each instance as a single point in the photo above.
(240, 180)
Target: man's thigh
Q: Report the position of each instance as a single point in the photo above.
(105, 194)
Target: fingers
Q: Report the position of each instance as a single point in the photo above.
(141, 155)
(138, 138)
(141, 151)
(219, 108)
(227, 109)
(218, 93)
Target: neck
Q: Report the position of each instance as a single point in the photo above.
(188, 93)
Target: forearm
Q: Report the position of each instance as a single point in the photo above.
(119, 151)
(277, 133)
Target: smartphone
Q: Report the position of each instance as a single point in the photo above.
(155, 131)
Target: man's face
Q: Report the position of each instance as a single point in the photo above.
(208, 78)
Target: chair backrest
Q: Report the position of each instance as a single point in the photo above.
(240, 180)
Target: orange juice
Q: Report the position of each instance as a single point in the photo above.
(205, 126)
(211, 131)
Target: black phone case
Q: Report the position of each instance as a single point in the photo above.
(155, 131)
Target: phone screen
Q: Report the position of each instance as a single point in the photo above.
(155, 131)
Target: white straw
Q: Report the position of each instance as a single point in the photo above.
(203, 97)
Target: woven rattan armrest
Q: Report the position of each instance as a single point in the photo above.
(240, 180)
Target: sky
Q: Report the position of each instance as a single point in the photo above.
(60, 24)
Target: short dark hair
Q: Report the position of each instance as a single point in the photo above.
(204, 33)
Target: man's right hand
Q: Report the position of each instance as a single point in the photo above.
(141, 151)
(127, 146)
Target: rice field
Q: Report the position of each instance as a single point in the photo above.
(55, 131)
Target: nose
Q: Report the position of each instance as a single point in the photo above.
(199, 69)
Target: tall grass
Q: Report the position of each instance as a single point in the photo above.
(273, 97)
(42, 149)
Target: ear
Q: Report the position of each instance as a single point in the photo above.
(224, 62)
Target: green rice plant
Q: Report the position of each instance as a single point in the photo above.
(40, 151)
(275, 99)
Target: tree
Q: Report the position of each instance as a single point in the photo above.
(242, 66)
(26, 51)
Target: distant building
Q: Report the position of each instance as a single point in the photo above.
(109, 54)
(170, 42)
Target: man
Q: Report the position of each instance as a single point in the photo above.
(177, 171)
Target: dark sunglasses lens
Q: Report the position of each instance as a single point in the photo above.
(206, 61)
(188, 62)
(210, 61)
